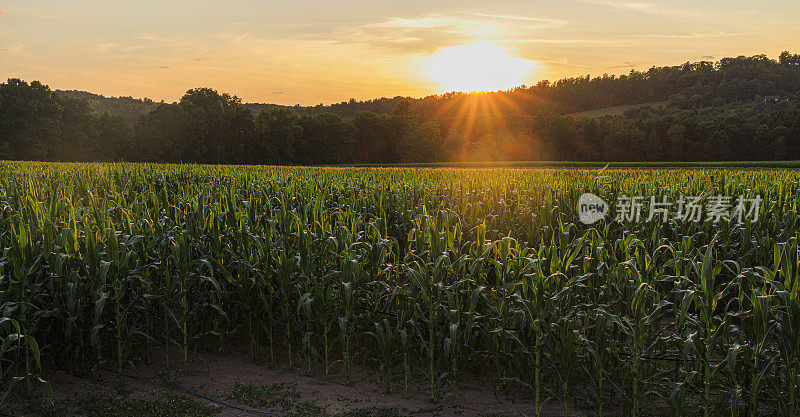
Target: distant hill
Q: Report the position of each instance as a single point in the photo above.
(129, 108)
(743, 108)
(689, 85)
(345, 109)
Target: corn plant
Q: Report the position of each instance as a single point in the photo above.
(447, 273)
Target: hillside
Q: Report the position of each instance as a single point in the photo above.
(743, 108)
(129, 108)
(695, 84)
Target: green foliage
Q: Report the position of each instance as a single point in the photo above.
(434, 274)
(734, 109)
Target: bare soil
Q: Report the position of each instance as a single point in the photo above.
(216, 376)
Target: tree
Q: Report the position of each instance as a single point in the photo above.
(327, 139)
(163, 136)
(277, 131)
(374, 136)
(676, 135)
(762, 143)
(37, 124)
(30, 120)
(220, 125)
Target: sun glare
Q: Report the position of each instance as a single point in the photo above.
(478, 67)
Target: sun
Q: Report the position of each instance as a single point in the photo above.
(478, 67)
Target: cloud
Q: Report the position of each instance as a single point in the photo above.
(35, 13)
(105, 46)
(14, 49)
(575, 41)
(544, 22)
(630, 64)
(277, 92)
(653, 9)
(201, 58)
(162, 67)
(430, 32)
(719, 34)
(635, 6)
(148, 36)
(468, 20)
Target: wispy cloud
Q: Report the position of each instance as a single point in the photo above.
(35, 13)
(542, 21)
(635, 6)
(631, 40)
(719, 34)
(429, 32)
(467, 20)
(630, 64)
(148, 36)
(653, 9)
(575, 41)
(105, 46)
(14, 49)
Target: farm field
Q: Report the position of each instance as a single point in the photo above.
(590, 164)
(618, 110)
(432, 278)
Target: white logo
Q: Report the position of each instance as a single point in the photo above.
(591, 208)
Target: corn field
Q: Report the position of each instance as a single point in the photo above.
(430, 276)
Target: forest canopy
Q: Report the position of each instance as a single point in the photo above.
(743, 108)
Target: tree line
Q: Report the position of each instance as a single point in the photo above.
(741, 108)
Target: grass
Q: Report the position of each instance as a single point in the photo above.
(617, 110)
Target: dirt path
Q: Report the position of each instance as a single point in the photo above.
(234, 378)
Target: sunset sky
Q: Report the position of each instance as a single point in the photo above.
(311, 52)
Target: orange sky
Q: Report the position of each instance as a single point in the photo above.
(311, 52)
